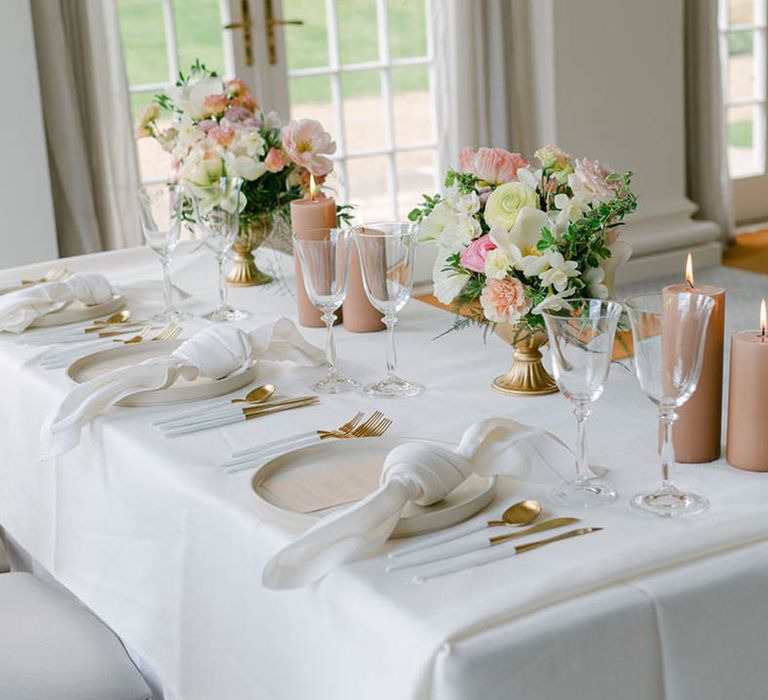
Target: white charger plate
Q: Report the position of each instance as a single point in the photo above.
(77, 311)
(182, 390)
(463, 502)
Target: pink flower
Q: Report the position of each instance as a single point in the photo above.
(251, 104)
(504, 301)
(222, 135)
(589, 181)
(306, 143)
(274, 161)
(492, 165)
(215, 104)
(206, 125)
(236, 88)
(474, 255)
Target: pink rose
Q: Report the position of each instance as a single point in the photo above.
(492, 165)
(222, 135)
(274, 161)
(306, 143)
(215, 104)
(504, 301)
(474, 255)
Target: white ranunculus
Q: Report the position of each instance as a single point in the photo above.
(446, 283)
(436, 222)
(555, 302)
(620, 253)
(594, 278)
(559, 272)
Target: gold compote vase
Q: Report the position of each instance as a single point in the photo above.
(527, 376)
(244, 272)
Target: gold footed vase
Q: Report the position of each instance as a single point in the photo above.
(527, 377)
(244, 272)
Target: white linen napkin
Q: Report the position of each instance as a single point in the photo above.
(215, 352)
(424, 474)
(21, 308)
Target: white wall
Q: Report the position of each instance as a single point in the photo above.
(27, 228)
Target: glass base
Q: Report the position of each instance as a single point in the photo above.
(169, 315)
(227, 313)
(334, 384)
(588, 493)
(670, 503)
(393, 388)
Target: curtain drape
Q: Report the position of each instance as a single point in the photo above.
(709, 184)
(89, 134)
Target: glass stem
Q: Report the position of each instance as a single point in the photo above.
(167, 289)
(667, 418)
(330, 344)
(222, 260)
(389, 321)
(582, 412)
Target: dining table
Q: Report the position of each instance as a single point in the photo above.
(168, 550)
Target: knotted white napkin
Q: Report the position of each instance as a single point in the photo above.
(215, 352)
(424, 474)
(19, 309)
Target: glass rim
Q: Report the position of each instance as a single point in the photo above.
(369, 228)
(631, 302)
(610, 302)
(319, 229)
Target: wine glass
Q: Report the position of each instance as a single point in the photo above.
(324, 259)
(386, 258)
(581, 343)
(668, 331)
(217, 212)
(160, 215)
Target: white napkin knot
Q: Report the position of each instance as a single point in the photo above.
(215, 352)
(89, 287)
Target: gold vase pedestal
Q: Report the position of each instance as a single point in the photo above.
(527, 377)
(244, 272)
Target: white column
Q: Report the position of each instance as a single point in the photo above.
(609, 79)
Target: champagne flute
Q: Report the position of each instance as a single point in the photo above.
(386, 258)
(217, 213)
(668, 332)
(160, 215)
(581, 342)
(324, 259)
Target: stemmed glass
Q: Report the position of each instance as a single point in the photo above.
(668, 331)
(581, 343)
(386, 258)
(217, 212)
(160, 215)
(324, 259)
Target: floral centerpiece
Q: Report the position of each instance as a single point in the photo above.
(515, 239)
(219, 129)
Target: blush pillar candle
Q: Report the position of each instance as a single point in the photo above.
(746, 446)
(359, 314)
(310, 214)
(698, 430)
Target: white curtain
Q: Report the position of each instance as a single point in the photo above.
(709, 184)
(89, 134)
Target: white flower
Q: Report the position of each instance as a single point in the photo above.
(571, 208)
(468, 205)
(272, 120)
(526, 232)
(589, 181)
(245, 167)
(248, 142)
(533, 265)
(559, 272)
(594, 278)
(459, 234)
(498, 262)
(190, 98)
(446, 283)
(620, 253)
(530, 178)
(437, 221)
(555, 302)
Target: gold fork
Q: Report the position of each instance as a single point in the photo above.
(136, 338)
(370, 428)
(55, 274)
(170, 332)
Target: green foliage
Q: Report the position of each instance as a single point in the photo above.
(419, 213)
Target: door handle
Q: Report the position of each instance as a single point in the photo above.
(246, 24)
(270, 21)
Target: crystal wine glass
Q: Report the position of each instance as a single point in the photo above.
(581, 342)
(160, 214)
(386, 258)
(217, 212)
(324, 259)
(668, 331)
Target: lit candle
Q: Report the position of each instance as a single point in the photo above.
(748, 399)
(697, 431)
(317, 214)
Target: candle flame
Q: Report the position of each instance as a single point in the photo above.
(312, 187)
(689, 271)
(763, 319)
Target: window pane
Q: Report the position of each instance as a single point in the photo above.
(412, 105)
(198, 34)
(143, 32)
(745, 156)
(740, 43)
(368, 188)
(306, 45)
(741, 65)
(154, 162)
(407, 28)
(415, 177)
(358, 33)
(363, 110)
(740, 11)
(311, 97)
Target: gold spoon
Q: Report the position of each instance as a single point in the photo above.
(517, 515)
(119, 317)
(257, 394)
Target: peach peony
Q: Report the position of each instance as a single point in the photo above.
(492, 165)
(307, 144)
(504, 301)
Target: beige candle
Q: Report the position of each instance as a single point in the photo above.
(359, 314)
(746, 446)
(317, 214)
(697, 431)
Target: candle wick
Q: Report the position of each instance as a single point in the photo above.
(690, 284)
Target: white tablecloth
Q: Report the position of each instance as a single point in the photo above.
(168, 551)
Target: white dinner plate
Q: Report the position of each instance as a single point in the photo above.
(77, 311)
(182, 390)
(463, 502)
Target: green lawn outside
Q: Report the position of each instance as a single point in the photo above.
(740, 134)
(199, 36)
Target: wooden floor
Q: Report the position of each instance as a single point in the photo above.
(749, 252)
